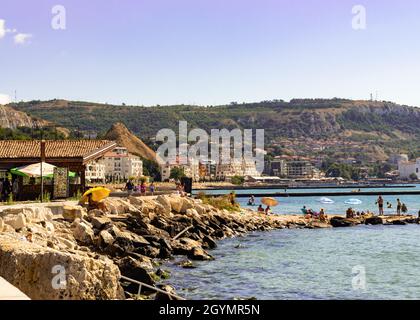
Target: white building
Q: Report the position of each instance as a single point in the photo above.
(407, 168)
(191, 170)
(242, 168)
(95, 172)
(115, 165)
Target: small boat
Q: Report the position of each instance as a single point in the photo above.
(325, 200)
(353, 201)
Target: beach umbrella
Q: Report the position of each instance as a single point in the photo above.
(98, 194)
(271, 202)
(34, 170)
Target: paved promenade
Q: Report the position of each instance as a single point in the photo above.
(9, 292)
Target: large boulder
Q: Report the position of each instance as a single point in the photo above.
(375, 220)
(127, 239)
(201, 210)
(199, 253)
(338, 222)
(82, 232)
(36, 271)
(32, 213)
(100, 222)
(191, 248)
(166, 204)
(18, 217)
(71, 213)
(187, 203)
(17, 222)
(120, 206)
(136, 270)
(176, 203)
(105, 239)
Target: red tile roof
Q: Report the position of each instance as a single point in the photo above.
(14, 149)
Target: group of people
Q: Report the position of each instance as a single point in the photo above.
(7, 188)
(180, 189)
(130, 187)
(351, 213)
(401, 207)
(251, 202)
(267, 210)
(310, 214)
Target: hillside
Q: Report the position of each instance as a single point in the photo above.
(296, 118)
(12, 119)
(380, 128)
(125, 138)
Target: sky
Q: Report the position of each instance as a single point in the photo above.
(209, 52)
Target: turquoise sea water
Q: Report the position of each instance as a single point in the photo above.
(292, 205)
(363, 262)
(309, 264)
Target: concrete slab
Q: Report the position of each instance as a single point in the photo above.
(10, 292)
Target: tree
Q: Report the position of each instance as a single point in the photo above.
(413, 176)
(238, 180)
(177, 173)
(151, 169)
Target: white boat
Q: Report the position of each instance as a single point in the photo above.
(353, 201)
(325, 200)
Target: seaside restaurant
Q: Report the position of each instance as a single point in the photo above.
(69, 158)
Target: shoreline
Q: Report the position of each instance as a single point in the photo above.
(131, 239)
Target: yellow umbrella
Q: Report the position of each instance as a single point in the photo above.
(98, 194)
(271, 202)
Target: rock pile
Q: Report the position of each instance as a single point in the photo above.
(129, 238)
(95, 248)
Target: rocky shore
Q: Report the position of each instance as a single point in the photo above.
(62, 251)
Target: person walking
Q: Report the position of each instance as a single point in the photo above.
(152, 188)
(129, 186)
(15, 189)
(380, 203)
(143, 188)
(6, 189)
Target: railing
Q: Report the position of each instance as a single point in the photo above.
(142, 284)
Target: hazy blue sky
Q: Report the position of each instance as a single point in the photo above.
(209, 51)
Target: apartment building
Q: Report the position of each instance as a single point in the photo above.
(118, 164)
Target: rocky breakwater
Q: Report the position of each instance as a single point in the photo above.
(91, 250)
(41, 257)
(339, 221)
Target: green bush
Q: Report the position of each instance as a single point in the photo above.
(221, 203)
(238, 180)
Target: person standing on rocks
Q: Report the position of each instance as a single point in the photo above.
(399, 206)
(380, 203)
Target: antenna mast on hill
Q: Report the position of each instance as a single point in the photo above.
(371, 97)
(15, 96)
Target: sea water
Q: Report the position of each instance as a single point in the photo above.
(362, 262)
